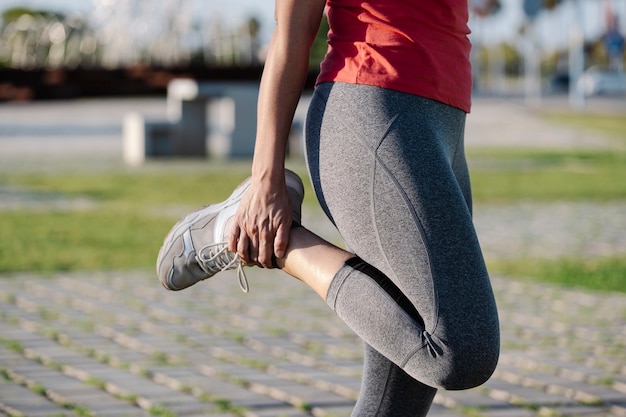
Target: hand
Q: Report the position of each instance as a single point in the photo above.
(262, 223)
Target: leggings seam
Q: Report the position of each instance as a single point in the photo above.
(412, 353)
(335, 294)
(377, 162)
(384, 392)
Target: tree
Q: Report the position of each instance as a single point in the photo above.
(44, 39)
(484, 8)
(14, 13)
(550, 4)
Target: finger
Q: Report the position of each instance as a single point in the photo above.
(281, 241)
(253, 248)
(266, 248)
(243, 246)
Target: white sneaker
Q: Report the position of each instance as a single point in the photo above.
(196, 248)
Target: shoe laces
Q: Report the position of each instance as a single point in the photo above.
(216, 257)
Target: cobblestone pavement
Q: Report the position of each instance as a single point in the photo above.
(116, 344)
(552, 230)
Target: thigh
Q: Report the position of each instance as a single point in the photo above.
(389, 170)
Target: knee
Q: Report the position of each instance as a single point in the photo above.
(456, 369)
(468, 371)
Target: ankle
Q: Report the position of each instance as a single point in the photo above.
(312, 259)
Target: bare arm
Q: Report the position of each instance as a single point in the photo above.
(264, 216)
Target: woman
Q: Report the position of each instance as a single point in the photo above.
(384, 141)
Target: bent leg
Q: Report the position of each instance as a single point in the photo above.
(386, 389)
(383, 171)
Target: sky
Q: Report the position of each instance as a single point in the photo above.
(553, 30)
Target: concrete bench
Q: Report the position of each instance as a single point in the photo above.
(225, 111)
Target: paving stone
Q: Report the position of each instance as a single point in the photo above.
(276, 412)
(470, 398)
(159, 347)
(187, 408)
(212, 414)
(241, 397)
(437, 410)
(619, 384)
(335, 410)
(16, 399)
(574, 410)
(118, 410)
(61, 389)
(618, 409)
(507, 411)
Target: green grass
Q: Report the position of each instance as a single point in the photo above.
(514, 175)
(63, 241)
(124, 229)
(605, 274)
(133, 209)
(152, 185)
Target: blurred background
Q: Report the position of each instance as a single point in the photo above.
(64, 48)
(85, 203)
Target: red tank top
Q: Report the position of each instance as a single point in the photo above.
(414, 46)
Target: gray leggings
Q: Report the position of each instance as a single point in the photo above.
(389, 170)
